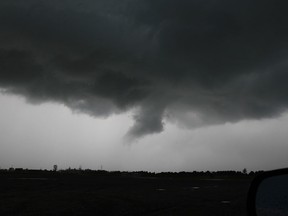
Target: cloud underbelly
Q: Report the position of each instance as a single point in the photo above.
(195, 62)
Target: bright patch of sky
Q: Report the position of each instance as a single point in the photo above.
(39, 136)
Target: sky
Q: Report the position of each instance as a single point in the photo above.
(156, 85)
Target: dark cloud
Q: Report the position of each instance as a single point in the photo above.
(199, 62)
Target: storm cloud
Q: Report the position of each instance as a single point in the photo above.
(197, 62)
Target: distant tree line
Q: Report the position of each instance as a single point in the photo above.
(80, 171)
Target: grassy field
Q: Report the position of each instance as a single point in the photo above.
(122, 195)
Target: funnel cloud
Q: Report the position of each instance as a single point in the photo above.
(193, 62)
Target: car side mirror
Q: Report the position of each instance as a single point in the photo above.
(268, 194)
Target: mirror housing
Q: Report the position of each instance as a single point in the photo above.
(268, 194)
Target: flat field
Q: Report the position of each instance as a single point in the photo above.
(122, 195)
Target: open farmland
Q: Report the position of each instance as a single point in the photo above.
(75, 194)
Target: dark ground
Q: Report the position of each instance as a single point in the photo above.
(122, 195)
